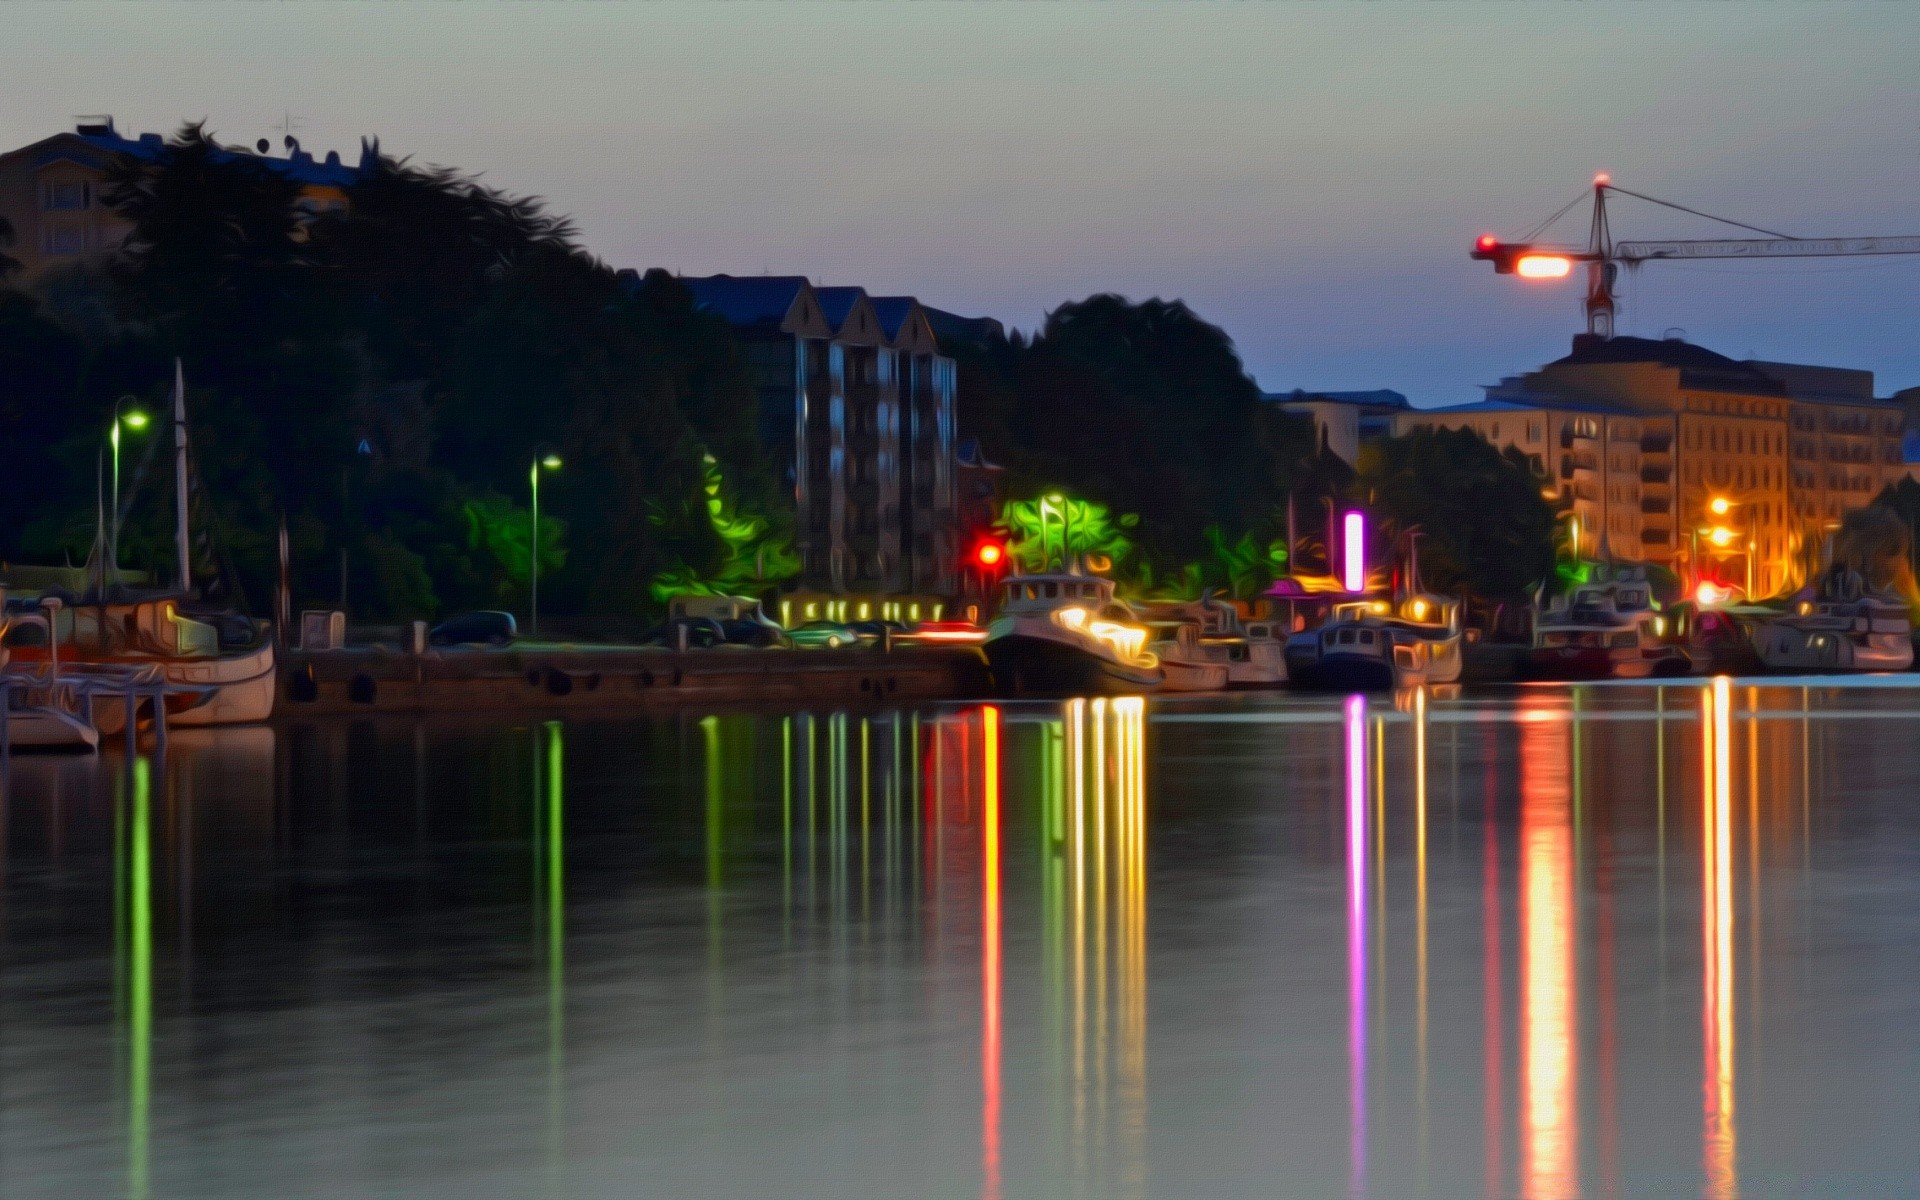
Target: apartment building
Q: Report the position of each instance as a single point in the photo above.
(1668, 453)
(856, 396)
(53, 191)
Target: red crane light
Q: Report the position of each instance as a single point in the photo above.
(989, 554)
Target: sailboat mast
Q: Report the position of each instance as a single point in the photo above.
(180, 539)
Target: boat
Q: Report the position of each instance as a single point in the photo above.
(1373, 644)
(1841, 626)
(1184, 659)
(1065, 635)
(1253, 654)
(1609, 627)
(41, 712)
(217, 666)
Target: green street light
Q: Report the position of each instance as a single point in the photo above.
(547, 459)
(132, 419)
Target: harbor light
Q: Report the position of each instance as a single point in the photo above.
(134, 420)
(1720, 536)
(1353, 560)
(1719, 506)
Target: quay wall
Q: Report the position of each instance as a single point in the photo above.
(613, 679)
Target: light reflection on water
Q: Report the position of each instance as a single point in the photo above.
(1418, 946)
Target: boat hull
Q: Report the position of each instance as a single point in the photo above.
(237, 689)
(1784, 647)
(1344, 673)
(1025, 665)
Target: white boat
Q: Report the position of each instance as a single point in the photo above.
(1372, 644)
(1841, 627)
(1065, 634)
(1606, 628)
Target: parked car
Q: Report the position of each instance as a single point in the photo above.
(750, 632)
(873, 631)
(702, 633)
(831, 634)
(475, 628)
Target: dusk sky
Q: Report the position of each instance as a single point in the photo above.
(1309, 178)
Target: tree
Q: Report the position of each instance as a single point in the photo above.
(1486, 530)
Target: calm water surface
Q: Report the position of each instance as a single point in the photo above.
(1607, 941)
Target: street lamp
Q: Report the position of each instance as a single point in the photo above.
(133, 419)
(543, 458)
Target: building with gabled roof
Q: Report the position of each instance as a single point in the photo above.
(856, 396)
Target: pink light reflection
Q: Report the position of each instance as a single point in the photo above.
(1353, 559)
(1356, 745)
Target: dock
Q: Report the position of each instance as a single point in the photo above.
(611, 679)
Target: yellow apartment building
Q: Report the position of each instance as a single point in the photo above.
(1668, 453)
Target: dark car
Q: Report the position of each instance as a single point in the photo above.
(749, 632)
(702, 633)
(475, 628)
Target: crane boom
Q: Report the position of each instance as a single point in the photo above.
(1635, 252)
(1603, 256)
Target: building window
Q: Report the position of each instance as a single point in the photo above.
(66, 197)
(62, 240)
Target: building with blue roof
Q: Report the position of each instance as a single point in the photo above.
(856, 395)
(51, 191)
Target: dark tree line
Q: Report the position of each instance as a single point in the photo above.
(1146, 408)
(381, 379)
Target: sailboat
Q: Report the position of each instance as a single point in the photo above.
(218, 665)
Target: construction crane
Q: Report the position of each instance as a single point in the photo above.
(1530, 259)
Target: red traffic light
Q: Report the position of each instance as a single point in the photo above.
(989, 554)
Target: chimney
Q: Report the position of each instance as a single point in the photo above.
(96, 125)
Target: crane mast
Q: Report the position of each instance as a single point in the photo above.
(1603, 256)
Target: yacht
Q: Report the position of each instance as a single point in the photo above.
(1371, 644)
(1606, 628)
(1842, 626)
(1065, 634)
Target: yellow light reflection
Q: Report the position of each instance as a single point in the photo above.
(1356, 798)
(1719, 1138)
(1420, 907)
(1549, 1104)
(990, 953)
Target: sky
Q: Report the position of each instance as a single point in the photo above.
(1308, 177)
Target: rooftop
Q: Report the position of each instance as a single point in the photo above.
(837, 302)
(746, 300)
(96, 143)
(1379, 398)
(1699, 367)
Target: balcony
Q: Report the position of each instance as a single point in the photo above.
(1661, 505)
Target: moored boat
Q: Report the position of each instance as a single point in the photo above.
(1370, 645)
(1606, 628)
(1065, 635)
(1842, 626)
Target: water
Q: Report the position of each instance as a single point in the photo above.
(1547, 942)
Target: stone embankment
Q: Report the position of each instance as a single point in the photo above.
(613, 679)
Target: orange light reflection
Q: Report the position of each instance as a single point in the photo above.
(1550, 1165)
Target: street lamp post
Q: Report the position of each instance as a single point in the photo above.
(542, 458)
(132, 420)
